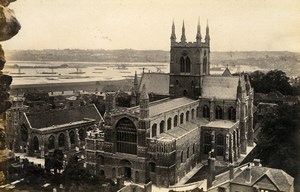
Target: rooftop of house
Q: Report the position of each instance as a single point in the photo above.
(258, 177)
(51, 118)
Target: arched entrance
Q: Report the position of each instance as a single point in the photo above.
(126, 166)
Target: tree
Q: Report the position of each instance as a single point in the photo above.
(274, 80)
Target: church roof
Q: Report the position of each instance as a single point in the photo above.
(221, 124)
(65, 116)
(226, 72)
(221, 87)
(183, 129)
(157, 83)
(168, 105)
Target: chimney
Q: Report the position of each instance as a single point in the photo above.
(211, 172)
(256, 162)
(231, 171)
(248, 173)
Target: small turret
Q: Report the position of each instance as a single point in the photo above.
(173, 35)
(183, 38)
(144, 104)
(207, 37)
(135, 82)
(239, 89)
(248, 84)
(198, 36)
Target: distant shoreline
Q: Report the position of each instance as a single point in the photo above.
(91, 86)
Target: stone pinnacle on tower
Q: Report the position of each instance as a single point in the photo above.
(144, 94)
(173, 35)
(198, 36)
(183, 38)
(207, 37)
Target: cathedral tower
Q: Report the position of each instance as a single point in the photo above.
(189, 62)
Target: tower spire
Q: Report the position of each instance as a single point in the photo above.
(183, 38)
(173, 35)
(198, 36)
(207, 37)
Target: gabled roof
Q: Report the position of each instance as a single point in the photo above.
(221, 87)
(268, 177)
(226, 72)
(157, 83)
(64, 116)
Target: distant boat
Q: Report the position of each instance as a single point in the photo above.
(121, 67)
(97, 72)
(77, 72)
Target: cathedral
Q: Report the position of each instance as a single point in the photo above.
(163, 140)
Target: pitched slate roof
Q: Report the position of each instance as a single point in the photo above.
(157, 83)
(168, 105)
(64, 116)
(221, 87)
(265, 177)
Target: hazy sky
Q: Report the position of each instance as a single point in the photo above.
(235, 25)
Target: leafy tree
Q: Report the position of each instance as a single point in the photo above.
(274, 80)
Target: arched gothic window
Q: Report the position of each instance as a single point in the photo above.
(175, 120)
(231, 113)
(185, 64)
(126, 136)
(206, 112)
(188, 152)
(193, 113)
(152, 167)
(61, 140)
(51, 141)
(169, 124)
(181, 157)
(36, 145)
(219, 112)
(161, 126)
(81, 134)
(205, 62)
(72, 137)
(187, 115)
(154, 130)
(207, 143)
(220, 144)
(181, 118)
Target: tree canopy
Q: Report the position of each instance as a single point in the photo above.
(274, 80)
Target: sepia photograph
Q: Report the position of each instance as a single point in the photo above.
(150, 96)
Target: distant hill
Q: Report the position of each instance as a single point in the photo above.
(282, 60)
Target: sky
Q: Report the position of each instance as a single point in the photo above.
(235, 25)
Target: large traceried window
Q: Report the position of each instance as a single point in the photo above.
(162, 127)
(205, 63)
(126, 136)
(185, 64)
(206, 112)
(219, 112)
(231, 113)
(220, 144)
(207, 143)
(169, 124)
(175, 121)
(154, 130)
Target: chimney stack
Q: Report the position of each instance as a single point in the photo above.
(256, 162)
(231, 171)
(248, 173)
(211, 171)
